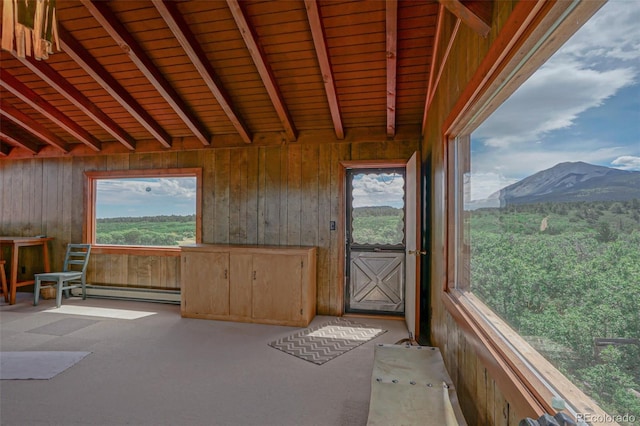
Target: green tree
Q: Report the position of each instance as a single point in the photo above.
(604, 232)
(611, 385)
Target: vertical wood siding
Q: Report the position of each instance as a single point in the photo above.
(282, 195)
(272, 195)
(480, 398)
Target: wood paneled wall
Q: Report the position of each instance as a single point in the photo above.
(272, 195)
(481, 399)
(284, 195)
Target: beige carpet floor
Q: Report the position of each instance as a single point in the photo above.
(149, 366)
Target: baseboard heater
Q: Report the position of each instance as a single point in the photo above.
(131, 293)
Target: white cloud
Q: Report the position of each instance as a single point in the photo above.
(146, 197)
(143, 189)
(550, 100)
(612, 33)
(542, 123)
(594, 65)
(627, 162)
(484, 184)
(378, 190)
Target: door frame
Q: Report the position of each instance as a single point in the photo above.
(388, 250)
(423, 326)
(359, 164)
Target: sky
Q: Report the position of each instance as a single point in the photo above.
(378, 189)
(145, 197)
(582, 105)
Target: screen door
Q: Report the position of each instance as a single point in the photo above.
(375, 241)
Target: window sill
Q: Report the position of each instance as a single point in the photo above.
(524, 374)
(135, 250)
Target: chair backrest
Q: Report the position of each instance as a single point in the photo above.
(77, 257)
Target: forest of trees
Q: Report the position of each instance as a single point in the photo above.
(378, 225)
(169, 230)
(563, 275)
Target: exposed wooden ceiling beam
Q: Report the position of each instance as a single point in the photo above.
(31, 98)
(10, 131)
(169, 12)
(474, 13)
(39, 130)
(92, 67)
(443, 63)
(392, 55)
(312, 137)
(260, 61)
(5, 149)
(105, 17)
(432, 68)
(317, 32)
(73, 95)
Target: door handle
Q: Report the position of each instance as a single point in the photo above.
(417, 252)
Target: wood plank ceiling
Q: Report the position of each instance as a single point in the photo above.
(142, 76)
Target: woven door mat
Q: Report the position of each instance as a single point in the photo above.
(328, 341)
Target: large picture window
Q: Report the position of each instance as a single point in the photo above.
(545, 200)
(143, 208)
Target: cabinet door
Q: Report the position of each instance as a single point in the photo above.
(277, 287)
(205, 283)
(241, 272)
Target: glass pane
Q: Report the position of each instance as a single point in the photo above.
(146, 211)
(552, 210)
(378, 208)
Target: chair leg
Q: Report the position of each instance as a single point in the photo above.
(84, 288)
(3, 282)
(36, 291)
(59, 292)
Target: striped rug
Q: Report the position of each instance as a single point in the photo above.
(325, 342)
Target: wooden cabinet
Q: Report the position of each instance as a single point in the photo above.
(207, 299)
(264, 284)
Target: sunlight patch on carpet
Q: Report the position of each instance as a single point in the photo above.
(325, 342)
(37, 365)
(99, 312)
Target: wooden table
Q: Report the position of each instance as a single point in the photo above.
(15, 243)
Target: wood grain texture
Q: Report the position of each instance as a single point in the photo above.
(276, 194)
(249, 283)
(481, 399)
(273, 195)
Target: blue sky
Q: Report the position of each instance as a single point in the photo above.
(145, 197)
(582, 105)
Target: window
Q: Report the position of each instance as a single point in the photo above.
(377, 207)
(143, 209)
(545, 195)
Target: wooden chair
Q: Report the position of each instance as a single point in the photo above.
(73, 275)
(3, 281)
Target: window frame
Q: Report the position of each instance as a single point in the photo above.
(90, 190)
(533, 32)
(351, 172)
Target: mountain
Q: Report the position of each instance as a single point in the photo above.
(568, 182)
